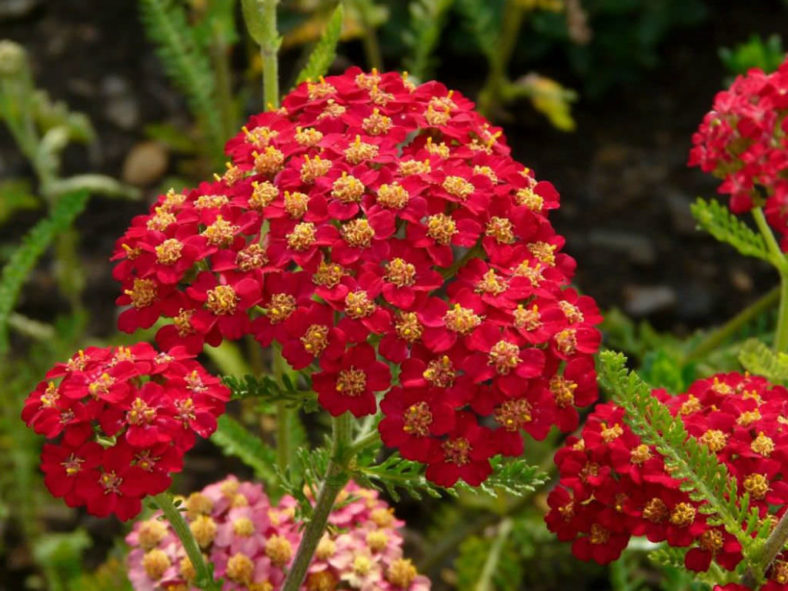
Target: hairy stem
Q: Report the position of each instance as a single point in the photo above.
(284, 416)
(269, 49)
(485, 579)
(335, 480)
(204, 579)
(780, 261)
(220, 56)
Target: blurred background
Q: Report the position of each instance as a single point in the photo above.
(600, 97)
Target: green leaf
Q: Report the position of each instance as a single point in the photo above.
(325, 50)
(15, 195)
(269, 389)
(33, 245)
(759, 359)
(717, 220)
(548, 97)
(50, 114)
(394, 474)
(187, 64)
(235, 440)
(706, 479)
(515, 477)
(255, 19)
(427, 20)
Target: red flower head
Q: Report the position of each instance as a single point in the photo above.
(120, 420)
(365, 220)
(613, 486)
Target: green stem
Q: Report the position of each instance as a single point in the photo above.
(369, 38)
(780, 261)
(773, 546)
(284, 415)
(269, 49)
(485, 578)
(364, 441)
(204, 578)
(716, 337)
(490, 94)
(220, 57)
(335, 480)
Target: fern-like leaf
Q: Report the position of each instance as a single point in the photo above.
(480, 18)
(717, 220)
(759, 359)
(394, 474)
(268, 389)
(706, 479)
(325, 50)
(515, 477)
(186, 63)
(235, 440)
(427, 19)
(24, 258)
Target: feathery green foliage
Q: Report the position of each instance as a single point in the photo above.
(187, 65)
(515, 477)
(717, 220)
(427, 19)
(269, 389)
(707, 480)
(24, 258)
(235, 440)
(480, 18)
(760, 359)
(325, 50)
(306, 470)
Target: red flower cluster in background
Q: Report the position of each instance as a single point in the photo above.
(121, 418)
(613, 487)
(743, 141)
(367, 223)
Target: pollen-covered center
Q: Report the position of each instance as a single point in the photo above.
(504, 356)
(441, 228)
(401, 573)
(457, 186)
(491, 284)
(711, 541)
(599, 535)
(296, 204)
(358, 305)
(101, 385)
(358, 233)
(110, 482)
(169, 251)
(220, 232)
(656, 510)
(280, 308)
(417, 419)
(457, 451)
(263, 194)
(351, 382)
(683, 514)
(566, 341)
(513, 415)
(359, 151)
(563, 391)
(461, 320)
(500, 229)
(315, 339)
(763, 445)
(269, 162)
(400, 272)
(440, 372)
(347, 189)
(302, 236)
(714, 439)
(140, 413)
(408, 327)
(222, 300)
(313, 168)
(394, 196)
(142, 293)
(757, 485)
(252, 257)
(72, 464)
(376, 124)
(640, 454)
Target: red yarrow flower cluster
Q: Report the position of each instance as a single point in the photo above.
(743, 141)
(119, 421)
(612, 486)
(371, 223)
(251, 542)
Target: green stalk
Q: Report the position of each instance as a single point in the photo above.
(369, 38)
(335, 480)
(715, 338)
(490, 94)
(269, 49)
(780, 261)
(220, 58)
(494, 556)
(284, 415)
(204, 579)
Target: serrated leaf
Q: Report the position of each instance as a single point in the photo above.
(759, 359)
(15, 195)
(717, 220)
(24, 258)
(235, 440)
(323, 54)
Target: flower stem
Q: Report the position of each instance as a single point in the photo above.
(490, 94)
(369, 37)
(204, 579)
(335, 480)
(284, 415)
(485, 579)
(269, 49)
(715, 338)
(780, 261)
(773, 546)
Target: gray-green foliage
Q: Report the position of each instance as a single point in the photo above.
(186, 62)
(235, 440)
(717, 220)
(323, 54)
(24, 258)
(706, 479)
(759, 359)
(427, 19)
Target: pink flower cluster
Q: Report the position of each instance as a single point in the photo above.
(121, 419)
(251, 542)
(371, 222)
(612, 486)
(743, 141)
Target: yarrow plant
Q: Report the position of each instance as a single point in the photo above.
(370, 223)
(251, 542)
